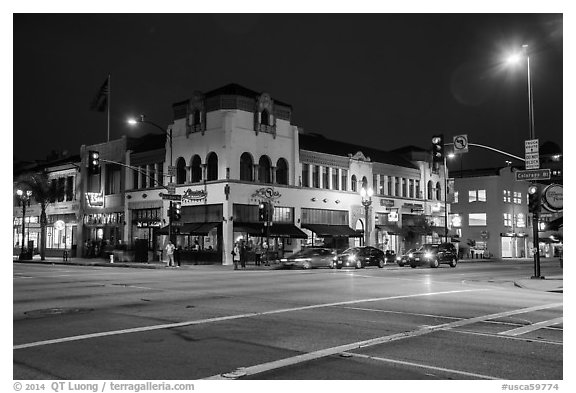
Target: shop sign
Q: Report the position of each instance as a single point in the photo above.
(266, 193)
(393, 216)
(386, 202)
(553, 197)
(148, 224)
(95, 199)
(194, 196)
(59, 225)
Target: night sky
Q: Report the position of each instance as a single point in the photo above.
(379, 80)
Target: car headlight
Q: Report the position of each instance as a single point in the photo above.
(410, 255)
(427, 255)
(398, 258)
(352, 258)
(283, 260)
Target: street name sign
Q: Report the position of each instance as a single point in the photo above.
(532, 154)
(172, 197)
(177, 224)
(534, 174)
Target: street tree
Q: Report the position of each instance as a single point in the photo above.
(44, 192)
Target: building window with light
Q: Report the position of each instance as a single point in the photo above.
(520, 220)
(477, 219)
(506, 196)
(398, 189)
(481, 195)
(344, 180)
(517, 198)
(477, 196)
(455, 196)
(411, 188)
(418, 189)
(325, 183)
(507, 219)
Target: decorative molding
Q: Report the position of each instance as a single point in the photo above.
(315, 158)
(359, 156)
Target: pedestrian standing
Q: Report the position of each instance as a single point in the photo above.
(170, 253)
(243, 255)
(236, 255)
(177, 255)
(258, 254)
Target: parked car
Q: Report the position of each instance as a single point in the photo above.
(435, 254)
(310, 257)
(404, 259)
(360, 257)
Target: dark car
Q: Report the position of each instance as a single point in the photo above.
(435, 254)
(310, 257)
(404, 259)
(360, 257)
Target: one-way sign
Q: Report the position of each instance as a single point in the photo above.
(535, 174)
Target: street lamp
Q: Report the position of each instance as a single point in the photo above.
(24, 197)
(366, 202)
(516, 58)
(143, 119)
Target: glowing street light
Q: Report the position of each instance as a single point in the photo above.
(366, 202)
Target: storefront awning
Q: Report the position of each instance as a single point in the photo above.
(199, 229)
(287, 230)
(391, 229)
(276, 229)
(323, 230)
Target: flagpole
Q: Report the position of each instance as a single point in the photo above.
(108, 106)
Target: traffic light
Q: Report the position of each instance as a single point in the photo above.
(534, 198)
(93, 162)
(177, 209)
(262, 212)
(438, 148)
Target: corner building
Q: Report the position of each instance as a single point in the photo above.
(233, 148)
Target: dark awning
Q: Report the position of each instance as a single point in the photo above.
(287, 230)
(251, 228)
(200, 229)
(391, 229)
(323, 230)
(555, 225)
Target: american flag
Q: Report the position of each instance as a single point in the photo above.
(101, 99)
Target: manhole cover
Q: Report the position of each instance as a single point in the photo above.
(56, 311)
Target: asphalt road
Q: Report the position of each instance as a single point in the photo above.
(207, 322)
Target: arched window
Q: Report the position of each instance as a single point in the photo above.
(265, 117)
(438, 191)
(354, 183)
(196, 117)
(365, 183)
(180, 171)
(196, 169)
(212, 170)
(430, 190)
(246, 165)
(282, 171)
(264, 170)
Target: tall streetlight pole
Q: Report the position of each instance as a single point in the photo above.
(366, 202)
(24, 197)
(532, 135)
(143, 119)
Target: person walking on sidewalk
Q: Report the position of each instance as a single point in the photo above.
(243, 255)
(236, 255)
(170, 253)
(177, 255)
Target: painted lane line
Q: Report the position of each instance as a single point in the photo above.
(500, 336)
(269, 366)
(532, 327)
(226, 318)
(438, 316)
(418, 365)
